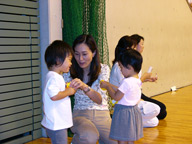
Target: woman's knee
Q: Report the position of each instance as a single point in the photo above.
(84, 131)
(148, 109)
(162, 106)
(151, 122)
(85, 138)
(156, 109)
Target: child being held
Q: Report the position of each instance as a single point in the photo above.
(126, 124)
(56, 102)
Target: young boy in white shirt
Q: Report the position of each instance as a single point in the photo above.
(56, 102)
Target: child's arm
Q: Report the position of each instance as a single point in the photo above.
(112, 90)
(62, 94)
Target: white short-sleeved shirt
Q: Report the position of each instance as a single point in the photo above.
(131, 87)
(57, 114)
(82, 101)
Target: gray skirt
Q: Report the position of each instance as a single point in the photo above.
(126, 123)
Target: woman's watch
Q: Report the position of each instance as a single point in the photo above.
(87, 89)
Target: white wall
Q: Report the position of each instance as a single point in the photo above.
(167, 28)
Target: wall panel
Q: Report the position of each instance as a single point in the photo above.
(20, 86)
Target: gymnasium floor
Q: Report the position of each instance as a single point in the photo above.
(176, 128)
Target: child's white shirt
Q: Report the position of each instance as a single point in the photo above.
(57, 114)
(131, 87)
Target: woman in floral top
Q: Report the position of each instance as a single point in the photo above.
(91, 117)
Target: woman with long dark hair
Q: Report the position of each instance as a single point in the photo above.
(91, 117)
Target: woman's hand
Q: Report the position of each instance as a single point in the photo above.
(152, 79)
(92, 94)
(146, 77)
(77, 83)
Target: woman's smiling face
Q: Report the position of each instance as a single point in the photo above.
(83, 55)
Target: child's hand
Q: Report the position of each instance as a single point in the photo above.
(72, 90)
(103, 84)
(102, 81)
(69, 87)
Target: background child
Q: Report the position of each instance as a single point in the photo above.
(126, 124)
(56, 102)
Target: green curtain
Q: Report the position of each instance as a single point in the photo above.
(72, 14)
(88, 17)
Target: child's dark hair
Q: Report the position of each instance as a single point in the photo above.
(56, 53)
(95, 67)
(133, 58)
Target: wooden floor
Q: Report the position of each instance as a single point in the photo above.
(176, 128)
